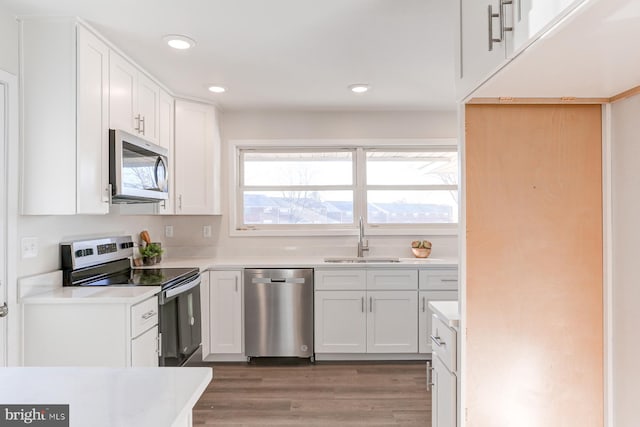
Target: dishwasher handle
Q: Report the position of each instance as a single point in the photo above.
(282, 280)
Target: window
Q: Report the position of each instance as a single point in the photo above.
(295, 190)
(412, 187)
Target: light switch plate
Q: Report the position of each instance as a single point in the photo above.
(29, 247)
(206, 231)
(168, 231)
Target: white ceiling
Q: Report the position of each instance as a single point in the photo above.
(284, 54)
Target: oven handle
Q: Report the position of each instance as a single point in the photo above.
(181, 289)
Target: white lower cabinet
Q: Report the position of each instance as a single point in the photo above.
(145, 349)
(392, 322)
(340, 322)
(225, 312)
(425, 315)
(104, 334)
(350, 319)
(443, 397)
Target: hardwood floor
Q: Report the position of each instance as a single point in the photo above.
(324, 394)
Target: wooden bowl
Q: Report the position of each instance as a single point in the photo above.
(421, 252)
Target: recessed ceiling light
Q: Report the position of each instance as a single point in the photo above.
(217, 89)
(178, 41)
(359, 88)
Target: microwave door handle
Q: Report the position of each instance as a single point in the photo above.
(160, 161)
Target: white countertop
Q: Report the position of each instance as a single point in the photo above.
(104, 397)
(448, 311)
(222, 263)
(93, 295)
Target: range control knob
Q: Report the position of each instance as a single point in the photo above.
(79, 253)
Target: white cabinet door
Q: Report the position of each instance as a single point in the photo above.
(443, 398)
(340, 322)
(225, 308)
(392, 279)
(425, 315)
(122, 94)
(197, 159)
(92, 155)
(144, 349)
(477, 62)
(166, 140)
(340, 279)
(148, 107)
(392, 322)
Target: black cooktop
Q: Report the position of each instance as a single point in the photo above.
(118, 273)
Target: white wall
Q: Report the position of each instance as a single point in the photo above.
(319, 125)
(626, 268)
(51, 230)
(8, 41)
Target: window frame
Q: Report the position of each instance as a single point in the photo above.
(359, 147)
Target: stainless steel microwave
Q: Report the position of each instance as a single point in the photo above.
(138, 170)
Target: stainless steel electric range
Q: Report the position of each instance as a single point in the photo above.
(107, 262)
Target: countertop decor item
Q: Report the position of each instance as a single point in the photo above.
(421, 248)
(151, 253)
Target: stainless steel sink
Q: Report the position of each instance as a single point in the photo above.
(360, 260)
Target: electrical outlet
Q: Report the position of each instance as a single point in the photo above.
(29, 247)
(168, 231)
(206, 231)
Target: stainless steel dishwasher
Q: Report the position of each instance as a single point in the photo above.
(278, 313)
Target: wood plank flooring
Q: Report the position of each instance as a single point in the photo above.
(324, 394)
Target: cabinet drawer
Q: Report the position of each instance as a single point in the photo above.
(344, 279)
(439, 280)
(143, 316)
(443, 342)
(396, 279)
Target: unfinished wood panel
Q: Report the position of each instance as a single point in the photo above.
(534, 265)
(324, 394)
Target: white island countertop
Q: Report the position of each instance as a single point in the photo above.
(448, 311)
(105, 397)
(93, 295)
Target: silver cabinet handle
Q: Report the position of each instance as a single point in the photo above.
(159, 344)
(503, 28)
(370, 305)
(424, 304)
(180, 202)
(429, 376)
(362, 304)
(148, 314)
(492, 39)
(137, 118)
(437, 341)
(142, 125)
(236, 280)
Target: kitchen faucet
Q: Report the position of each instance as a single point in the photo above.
(363, 246)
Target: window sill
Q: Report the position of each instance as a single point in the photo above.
(414, 230)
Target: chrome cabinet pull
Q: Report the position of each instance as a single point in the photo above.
(424, 304)
(180, 202)
(429, 376)
(492, 39)
(370, 305)
(236, 280)
(448, 280)
(437, 341)
(142, 125)
(148, 314)
(137, 118)
(159, 344)
(362, 304)
(503, 28)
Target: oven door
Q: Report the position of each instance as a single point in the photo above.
(180, 323)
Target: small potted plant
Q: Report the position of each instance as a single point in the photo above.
(151, 253)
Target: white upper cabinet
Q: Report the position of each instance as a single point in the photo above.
(65, 128)
(166, 139)
(197, 159)
(491, 32)
(134, 100)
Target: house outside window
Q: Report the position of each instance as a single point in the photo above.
(323, 189)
